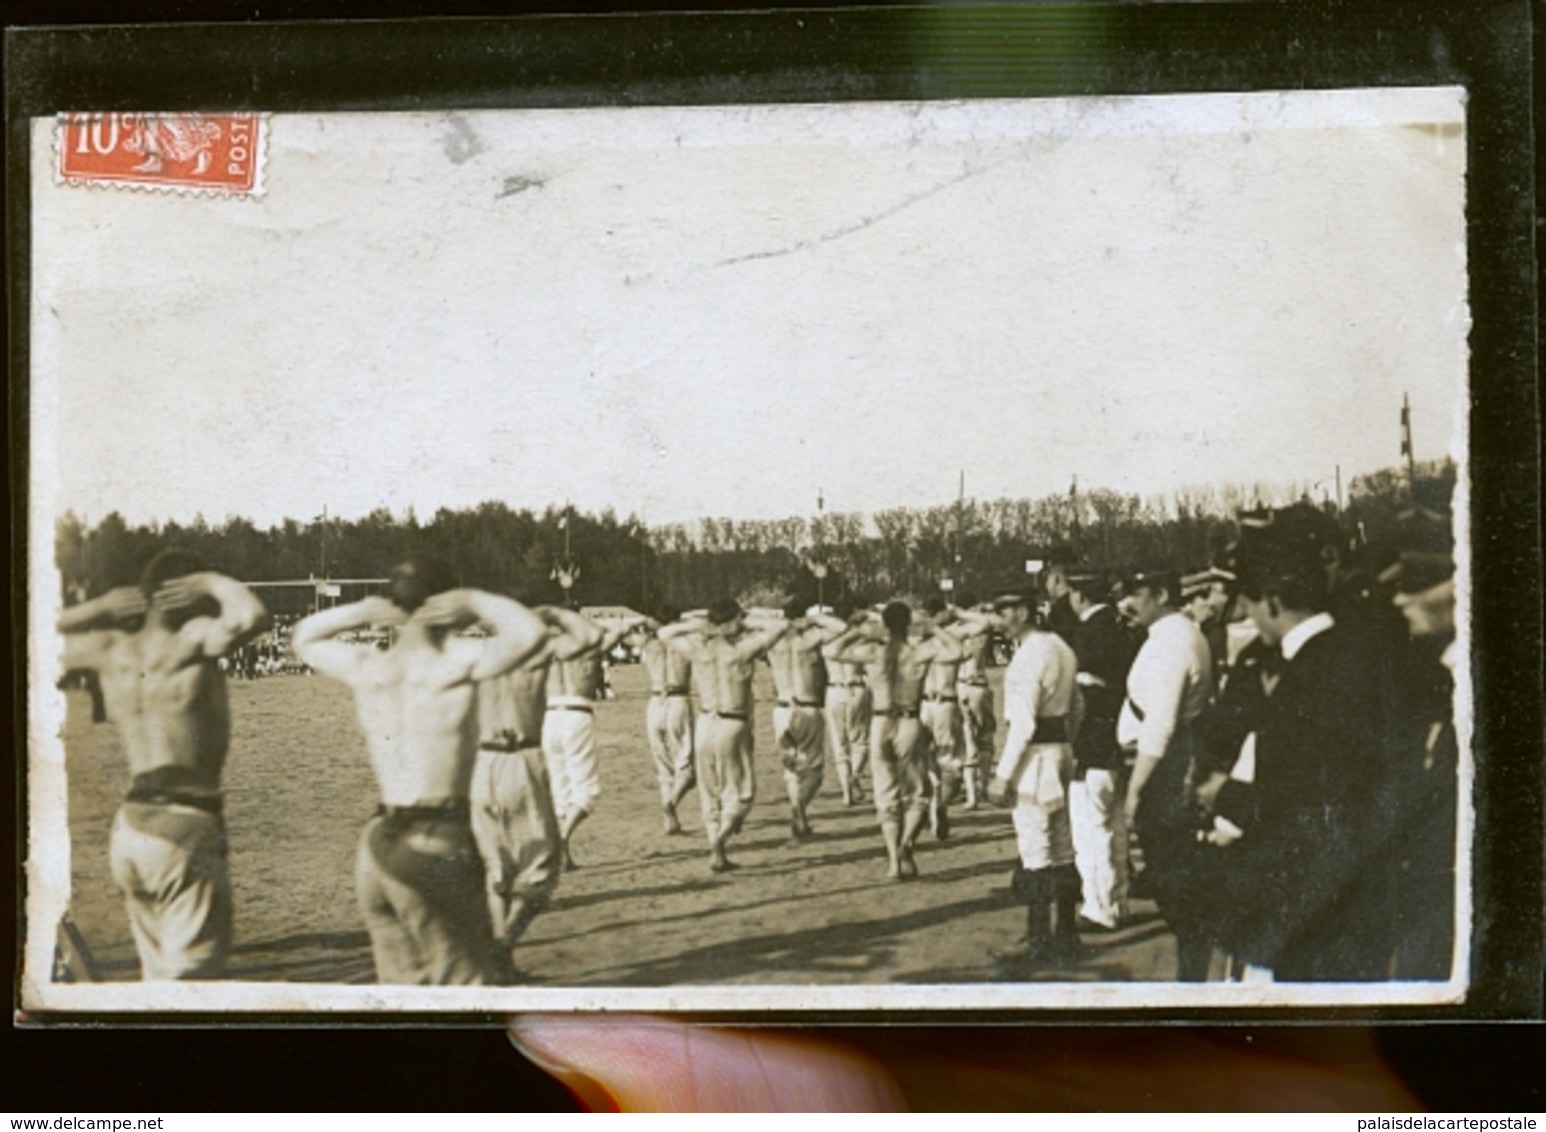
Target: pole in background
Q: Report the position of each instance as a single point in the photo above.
(1406, 443)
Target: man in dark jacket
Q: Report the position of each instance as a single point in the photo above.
(1095, 795)
(1302, 811)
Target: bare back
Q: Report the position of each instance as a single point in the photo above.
(940, 676)
(975, 667)
(511, 707)
(168, 701)
(842, 673)
(416, 705)
(667, 669)
(798, 671)
(731, 673)
(898, 685)
(579, 677)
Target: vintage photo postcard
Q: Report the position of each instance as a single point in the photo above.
(986, 555)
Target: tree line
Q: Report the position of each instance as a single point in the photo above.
(900, 551)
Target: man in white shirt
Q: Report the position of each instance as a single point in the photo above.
(1042, 707)
(1168, 687)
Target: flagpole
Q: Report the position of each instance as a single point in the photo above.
(1406, 443)
(960, 514)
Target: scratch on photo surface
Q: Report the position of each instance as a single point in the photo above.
(519, 184)
(862, 223)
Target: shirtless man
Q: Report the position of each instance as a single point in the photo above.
(155, 650)
(979, 725)
(940, 715)
(848, 722)
(419, 875)
(898, 746)
(513, 819)
(799, 678)
(668, 717)
(723, 644)
(568, 734)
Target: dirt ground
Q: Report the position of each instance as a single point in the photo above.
(643, 910)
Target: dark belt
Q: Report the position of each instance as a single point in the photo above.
(209, 803)
(584, 709)
(974, 682)
(509, 746)
(1050, 729)
(733, 716)
(450, 809)
(941, 698)
(899, 713)
(853, 684)
(798, 703)
(174, 786)
(669, 692)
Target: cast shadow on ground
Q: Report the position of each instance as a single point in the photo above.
(852, 946)
(745, 880)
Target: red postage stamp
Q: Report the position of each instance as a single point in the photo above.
(181, 152)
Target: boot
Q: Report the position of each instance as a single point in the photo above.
(1034, 886)
(1065, 901)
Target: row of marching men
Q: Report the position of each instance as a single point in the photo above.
(1291, 788)
(1298, 817)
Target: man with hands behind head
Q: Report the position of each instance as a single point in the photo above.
(419, 877)
(514, 820)
(895, 666)
(155, 649)
(723, 644)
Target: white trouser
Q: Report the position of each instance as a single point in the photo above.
(1100, 845)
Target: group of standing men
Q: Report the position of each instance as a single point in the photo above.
(1293, 799)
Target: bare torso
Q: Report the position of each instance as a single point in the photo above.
(798, 672)
(729, 675)
(580, 677)
(975, 667)
(170, 707)
(666, 669)
(418, 713)
(939, 678)
(841, 674)
(511, 707)
(900, 689)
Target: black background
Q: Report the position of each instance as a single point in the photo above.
(1486, 44)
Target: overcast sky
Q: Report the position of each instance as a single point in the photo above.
(687, 312)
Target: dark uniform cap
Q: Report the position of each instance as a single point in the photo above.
(1025, 596)
(1418, 570)
(1294, 543)
(1157, 577)
(1093, 585)
(1194, 585)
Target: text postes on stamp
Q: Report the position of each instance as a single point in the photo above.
(177, 152)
